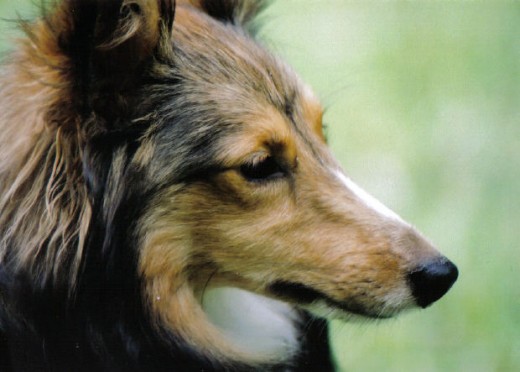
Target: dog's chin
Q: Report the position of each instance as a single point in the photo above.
(322, 309)
(323, 306)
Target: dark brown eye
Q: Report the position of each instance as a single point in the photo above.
(263, 170)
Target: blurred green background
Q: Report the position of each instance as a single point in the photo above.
(423, 103)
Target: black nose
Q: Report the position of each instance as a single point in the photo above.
(431, 281)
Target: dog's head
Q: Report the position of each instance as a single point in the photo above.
(208, 153)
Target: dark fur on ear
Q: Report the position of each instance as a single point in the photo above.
(103, 47)
(124, 37)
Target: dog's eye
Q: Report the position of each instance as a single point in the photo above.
(265, 169)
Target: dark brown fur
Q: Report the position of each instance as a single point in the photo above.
(146, 160)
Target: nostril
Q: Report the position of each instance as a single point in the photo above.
(431, 281)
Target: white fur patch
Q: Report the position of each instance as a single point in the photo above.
(368, 199)
(257, 324)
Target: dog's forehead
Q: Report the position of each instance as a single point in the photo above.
(223, 62)
(229, 90)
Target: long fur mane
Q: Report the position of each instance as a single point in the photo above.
(51, 105)
(44, 209)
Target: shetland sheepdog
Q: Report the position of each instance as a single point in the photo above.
(168, 200)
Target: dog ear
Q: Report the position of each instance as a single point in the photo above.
(99, 49)
(238, 12)
(124, 34)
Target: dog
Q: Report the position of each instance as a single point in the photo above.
(168, 200)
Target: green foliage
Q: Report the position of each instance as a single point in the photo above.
(10, 12)
(423, 110)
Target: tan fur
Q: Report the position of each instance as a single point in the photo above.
(40, 131)
(39, 139)
(309, 230)
(305, 227)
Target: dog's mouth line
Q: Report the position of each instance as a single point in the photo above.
(304, 295)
